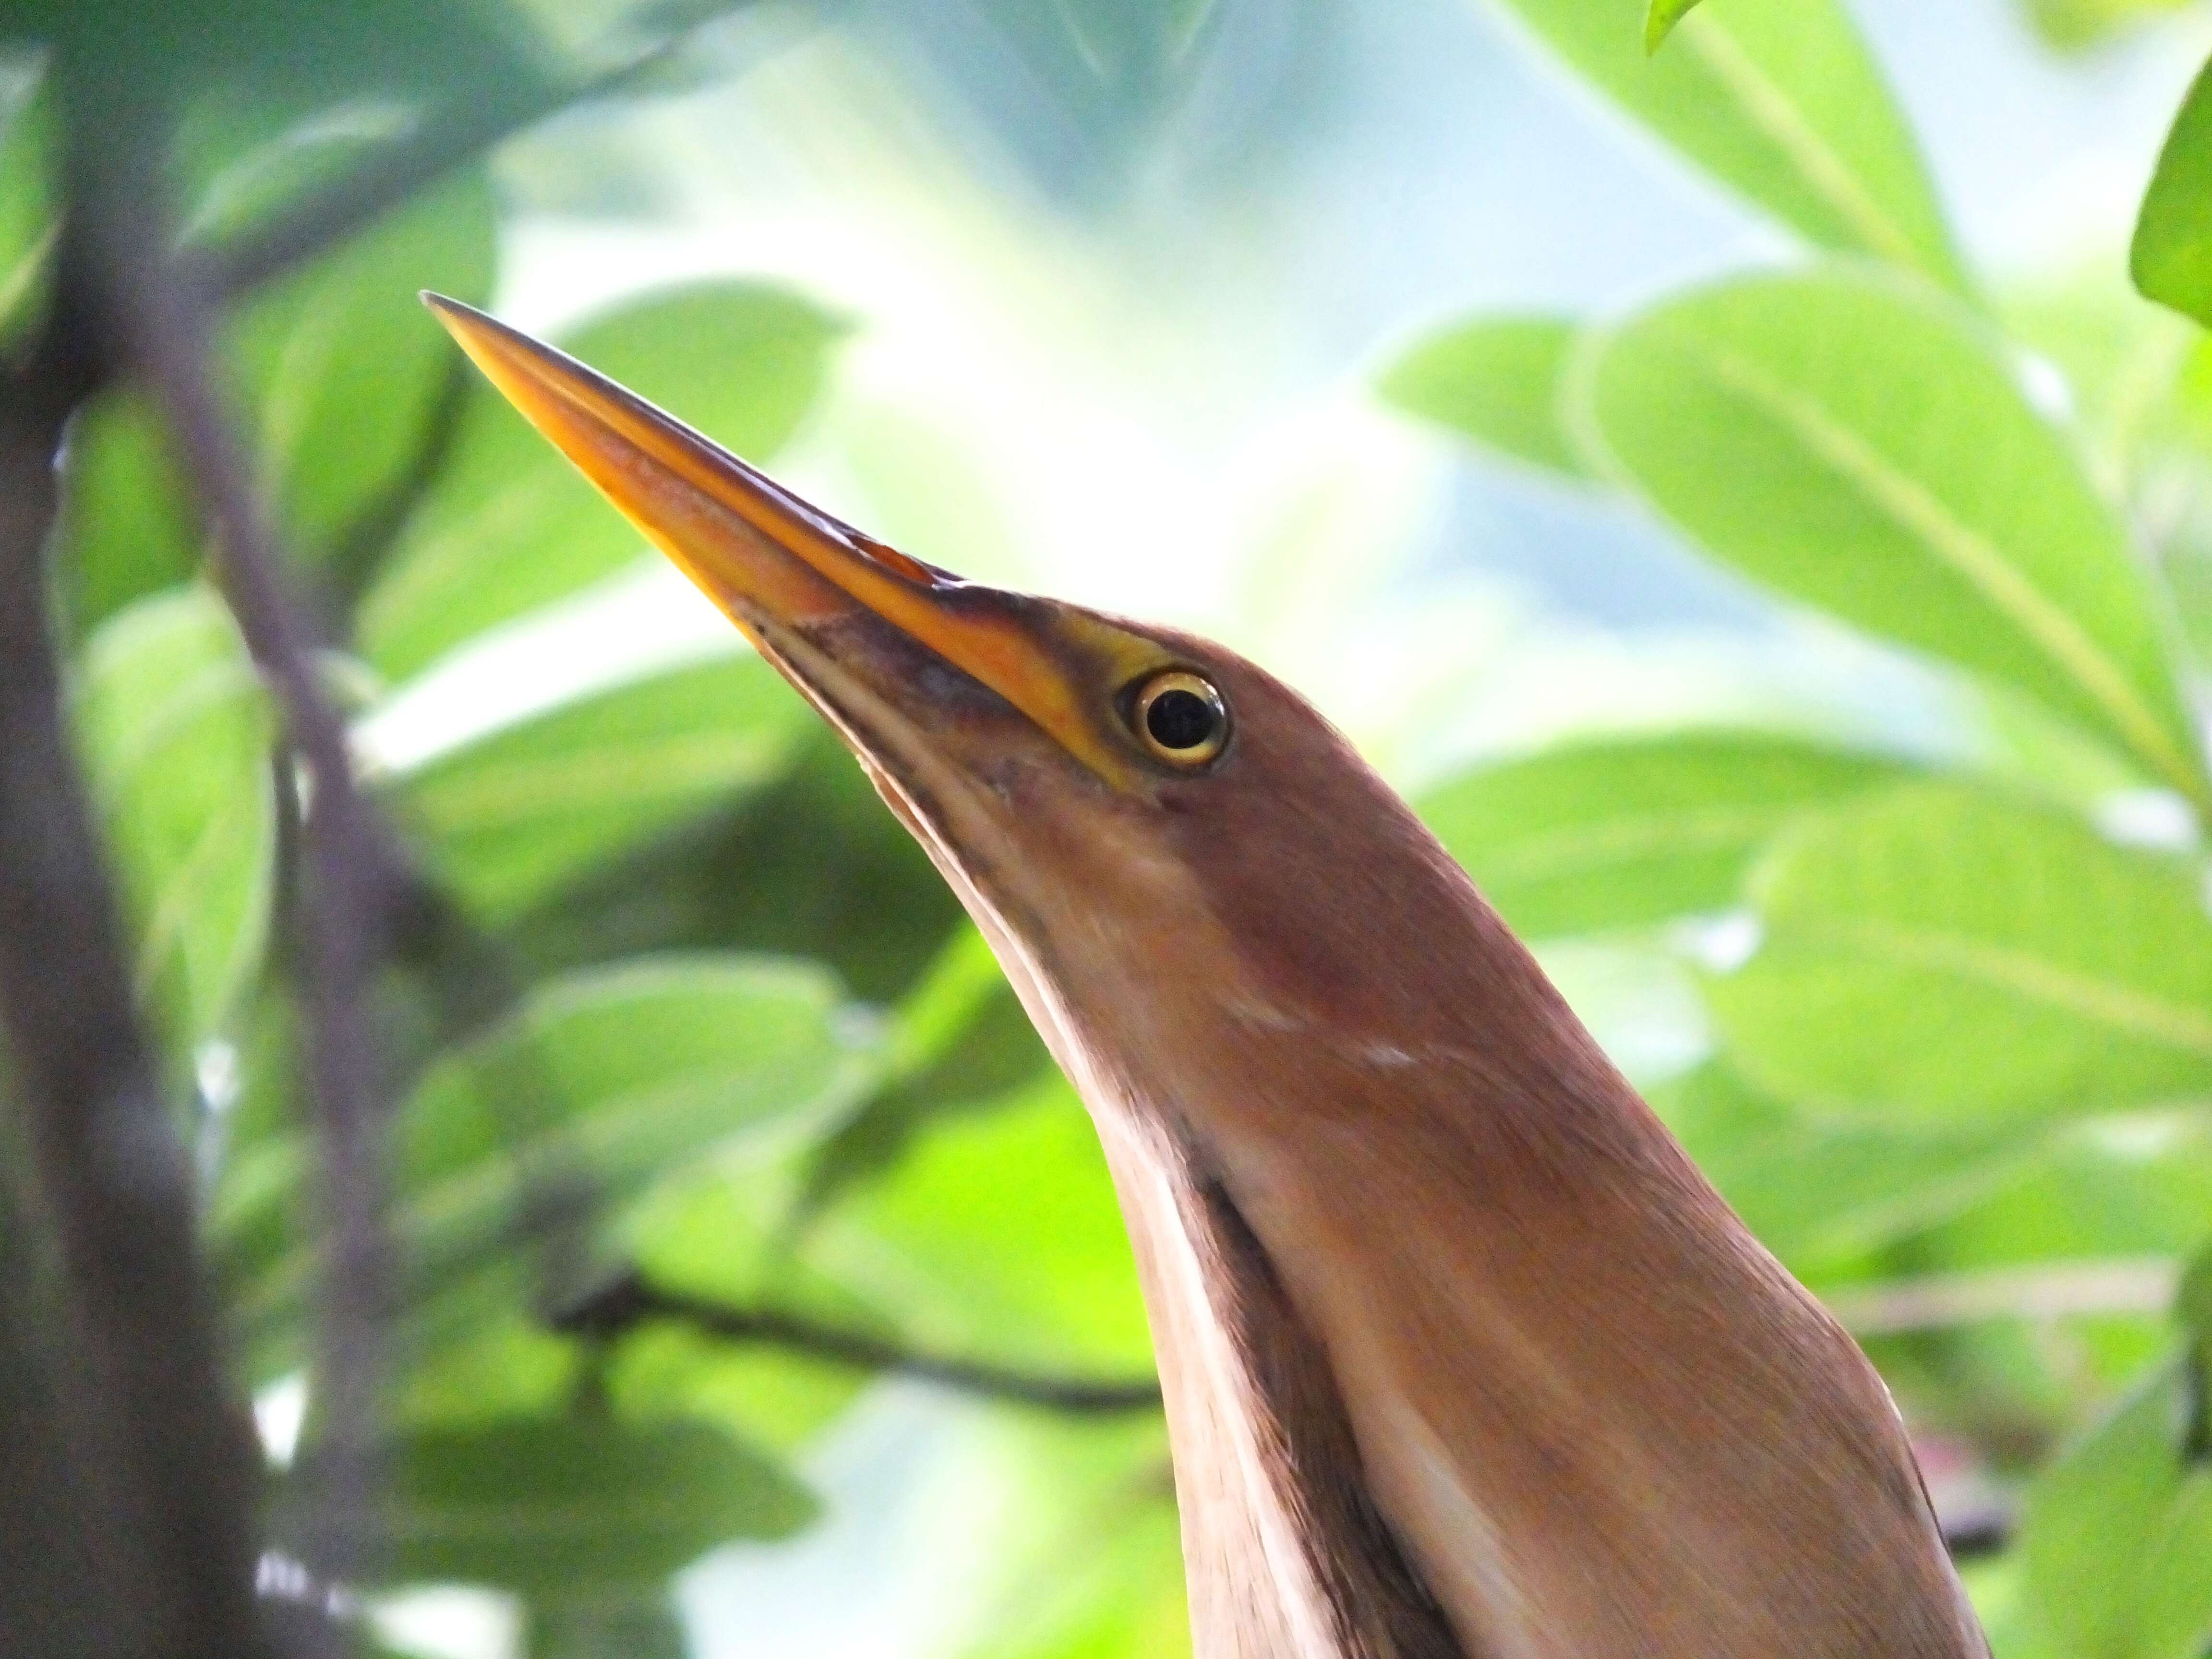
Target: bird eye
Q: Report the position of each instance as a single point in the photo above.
(1181, 719)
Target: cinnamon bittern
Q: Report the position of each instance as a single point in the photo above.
(1462, 1355)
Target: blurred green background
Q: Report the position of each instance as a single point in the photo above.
(1734, 492)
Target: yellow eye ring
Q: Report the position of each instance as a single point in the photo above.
(1179, 718)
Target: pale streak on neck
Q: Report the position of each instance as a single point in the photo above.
(1253, 1591)
(1252, 1588)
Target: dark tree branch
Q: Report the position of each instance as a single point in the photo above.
(1971, 1530)
(355, 875)
(53, 1540)
(163, 1470)
(631, 1301)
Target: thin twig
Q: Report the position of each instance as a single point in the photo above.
(631, 1301)
(355, 874)
(2053, 1290)
(159, 1465)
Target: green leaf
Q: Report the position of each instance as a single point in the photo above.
(505, 1363)
(812, 865)
(241, 164)
(620, 1075)
(2107, 1191)
(2135, 1189)
(965, 1044)
(512, 526)
(1089, 1565)
(1859, 444)
(335, 385)
(286, 52)
(603, 1083)
(177, 736)
(1780, 102)
(344, 377)
(2172, 257)
(511, 817)
(2192, 1302)
(2053, 1284)
(2007, 1289)
(1659, 20)
(739, 1236)
(27, 220)
(1497, 380)
(1820, 1191)
(2132, 379)
(777, 1397)
(1945, 957)
(998, 1237)
(1122, 1596)
(2071, 24)
(1601, 834)
(126, 520)
(2117, 1533)
(638, 1626)
(566, 1507)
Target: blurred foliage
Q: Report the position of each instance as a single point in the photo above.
(2119, 1534)
(1660, 18)
(1597, 835)
(1942, 956)
(565, 1510)
(1884, 465)
(176, 732)
(1960, 1012)
(2071, 24)
(336, 387)
(2173, 253)
(517, 814)
(26, 216)
(1495, 379)
(1780, 104)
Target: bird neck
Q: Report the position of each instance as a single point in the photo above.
(1285, 1555)
(1463, 1359)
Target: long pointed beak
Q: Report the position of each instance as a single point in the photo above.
(775, 565)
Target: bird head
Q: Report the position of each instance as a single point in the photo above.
(1127, 810)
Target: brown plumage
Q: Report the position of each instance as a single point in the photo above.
(1463, 1358)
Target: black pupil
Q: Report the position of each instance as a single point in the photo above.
(1180, 719)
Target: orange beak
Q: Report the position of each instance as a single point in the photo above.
(783, 570)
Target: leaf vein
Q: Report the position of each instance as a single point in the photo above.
(2122, 1007)
(1913, 508)
(1817, 161)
